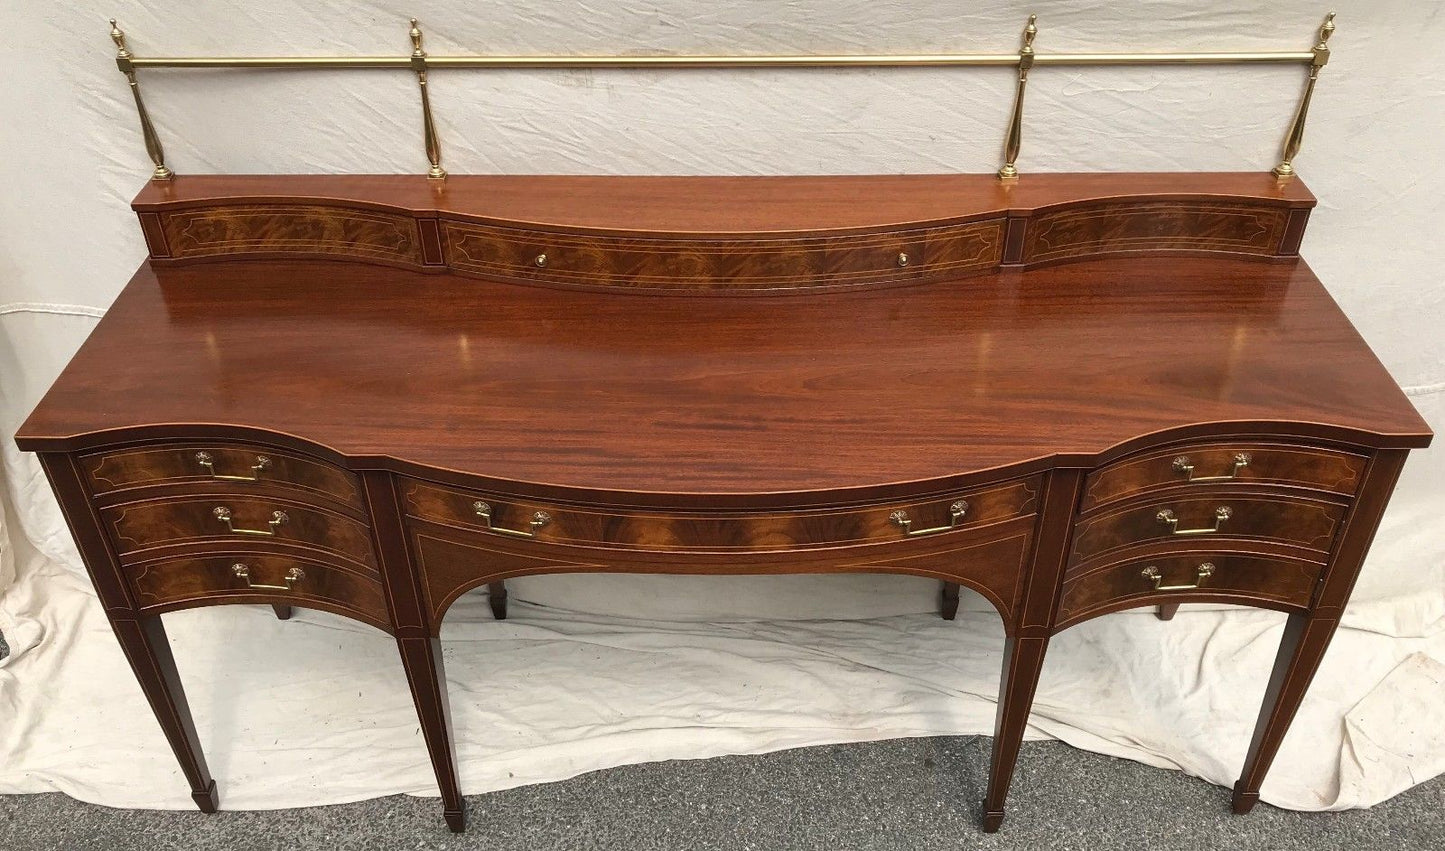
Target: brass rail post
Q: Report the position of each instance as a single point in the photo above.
(1296, 134)
(1016, 123)
(429, 128)
(147, 130)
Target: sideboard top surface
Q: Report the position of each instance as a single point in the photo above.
(692, 394)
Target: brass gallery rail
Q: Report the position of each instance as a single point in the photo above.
(1024, 60)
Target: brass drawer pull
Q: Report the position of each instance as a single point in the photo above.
(205, 460)
(539, 519)
(1221, 514)
(955, 512)
(1182, 465)
(223, 514)
(293, 576)
(1201, 576)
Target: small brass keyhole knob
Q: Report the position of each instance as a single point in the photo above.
(902, 259)
(541, 260)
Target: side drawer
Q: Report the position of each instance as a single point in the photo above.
(137, 526)
(1327, 470)
(720, 530)
(235, 465)
(246, 577)
(1297, 522)
(1271, 581)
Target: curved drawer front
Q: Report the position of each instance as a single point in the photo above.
(278, 229)
(1296, 522)
(1203, 576)
(616, 260)
(249, 577)
(139, 526)
(236, 465)
(721, 530)
(1136, 226)
(1326, 470)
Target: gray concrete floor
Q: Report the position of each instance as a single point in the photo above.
(911, 794)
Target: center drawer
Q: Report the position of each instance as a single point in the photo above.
(719, 530)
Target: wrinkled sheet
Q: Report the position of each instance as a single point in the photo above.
(600, 671)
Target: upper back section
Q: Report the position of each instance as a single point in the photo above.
(721, 234)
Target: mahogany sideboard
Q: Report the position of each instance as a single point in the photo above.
(1073, 394)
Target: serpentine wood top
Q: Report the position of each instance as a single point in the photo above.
(724, 396)
(691, 205)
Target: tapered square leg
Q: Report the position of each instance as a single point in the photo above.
(422, 659)
(1166, 611)
(149, 652)
(948, 601)
(1023, 659)
(1306, 637)
(283, 611)
(497, 596)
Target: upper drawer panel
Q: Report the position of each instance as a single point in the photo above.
(741, 263)
(721, 530)
(1298, 522)
(289, 229)
(1238, 463)
(237, 465)
(1136, 226)
(222, 520)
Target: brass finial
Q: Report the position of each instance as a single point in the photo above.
(1029, 32)
(428, 124)
(1327, 29)
(119, 38)
(415, 34)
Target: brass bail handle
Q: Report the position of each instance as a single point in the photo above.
(222, 513)
(539, 519)
(206, 460)
(956, 511)
(1201, 575)
(243, 571)
(1182, 465)
(1221, 514)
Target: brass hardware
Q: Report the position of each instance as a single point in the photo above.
(1221, 514)
(955, 516)
(539, 519)
(899, 60)
(126, 63)
(293, 576)
(428, 126)
(1025, 59)
(902, 259)
(278, 518)
(1016, 121)
(1182, 465)
(205, 460)
(541, 260)
(1201, 576)
(1319, 56)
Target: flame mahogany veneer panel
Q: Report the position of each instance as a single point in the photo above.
(724, 234)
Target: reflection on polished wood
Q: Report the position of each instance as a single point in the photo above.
(724, 376)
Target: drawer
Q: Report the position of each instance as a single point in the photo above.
(1271, 581)
(1298, 522)
(720, 530)
(1240, 463)
(239, 577)
(137, 526)
(615, 260)
(238, 466)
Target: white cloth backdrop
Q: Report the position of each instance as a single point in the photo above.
(600, 671)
